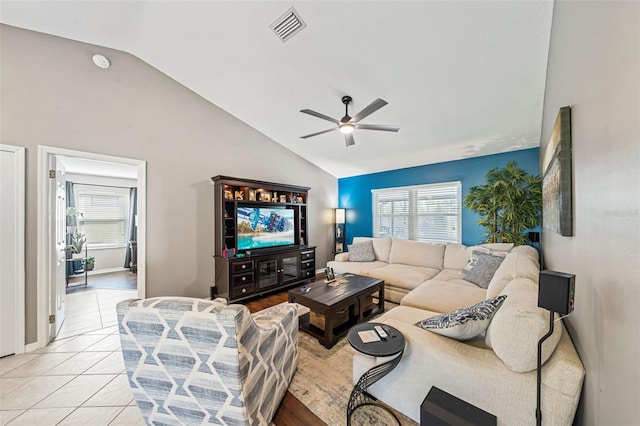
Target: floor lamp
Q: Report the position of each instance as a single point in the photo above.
(556, 293)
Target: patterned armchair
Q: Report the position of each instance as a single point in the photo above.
(196, 361)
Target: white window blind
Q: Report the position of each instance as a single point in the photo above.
(428, 213)
(105, 214)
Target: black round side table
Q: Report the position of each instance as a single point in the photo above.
(392, 345)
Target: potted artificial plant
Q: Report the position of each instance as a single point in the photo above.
(77, 243)
(72, 219)
(89, 263)
(509, 203)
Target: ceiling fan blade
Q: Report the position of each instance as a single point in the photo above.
(369, 109)
(317, 114)
(318, 133)
(377, 127)
(349, 139)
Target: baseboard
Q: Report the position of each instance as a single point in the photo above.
(31, 347)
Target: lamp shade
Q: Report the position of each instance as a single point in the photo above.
(341, 216)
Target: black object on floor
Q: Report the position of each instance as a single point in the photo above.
(440, 408)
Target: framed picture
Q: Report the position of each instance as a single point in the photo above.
(228, 194)
(252, 195)
(239, 195)
(557, 209)
(265, 196)
(299, 200)
(339, 247)
(283, 198)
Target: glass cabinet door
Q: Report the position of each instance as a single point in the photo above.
(290, 268)
(267, 273)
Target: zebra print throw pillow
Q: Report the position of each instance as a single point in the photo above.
(466, 323)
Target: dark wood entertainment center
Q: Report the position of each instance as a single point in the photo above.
(241, 272)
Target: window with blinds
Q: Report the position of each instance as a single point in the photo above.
(105, 214)
(428, 213)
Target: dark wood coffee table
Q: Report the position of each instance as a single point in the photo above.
(338, 307)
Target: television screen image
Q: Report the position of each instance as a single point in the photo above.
(264, 227)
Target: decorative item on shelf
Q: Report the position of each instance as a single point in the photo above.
(299, 200)
(252, 195)
(228, 194)
(265, 197)
(283, 198)
(89, 263)
(72, 219)
(340, 221)
(274, 197)
(228, 253)
(239, 195)
(556, 292)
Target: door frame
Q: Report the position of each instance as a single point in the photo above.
(44, 285)
(20, 266)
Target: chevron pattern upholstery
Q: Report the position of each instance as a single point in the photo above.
(196, 361)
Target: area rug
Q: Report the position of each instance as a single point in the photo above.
(323, 384)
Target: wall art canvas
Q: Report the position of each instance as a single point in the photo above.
(557, 209)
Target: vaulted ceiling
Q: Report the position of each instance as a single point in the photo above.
(462, 79)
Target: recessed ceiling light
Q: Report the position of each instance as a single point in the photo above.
(101, 61)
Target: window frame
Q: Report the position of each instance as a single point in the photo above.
(413, 214)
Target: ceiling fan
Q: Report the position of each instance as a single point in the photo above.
(348, 124)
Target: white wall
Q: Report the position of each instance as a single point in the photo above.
(594, 67)
(52, 94)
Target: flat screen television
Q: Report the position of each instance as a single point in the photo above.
(260, 227)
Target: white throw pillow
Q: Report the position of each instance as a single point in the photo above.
(465, 323)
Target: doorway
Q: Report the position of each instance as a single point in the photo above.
(67, 305)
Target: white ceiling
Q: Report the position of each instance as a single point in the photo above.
(462, 79)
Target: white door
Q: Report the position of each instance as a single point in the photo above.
(11, 250)
(57, 239)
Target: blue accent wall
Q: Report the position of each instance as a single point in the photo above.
(354, 193)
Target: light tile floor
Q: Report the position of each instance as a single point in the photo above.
(79, 378)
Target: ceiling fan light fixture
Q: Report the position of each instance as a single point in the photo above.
(347, 128)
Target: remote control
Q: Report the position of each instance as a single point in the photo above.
(380, 332)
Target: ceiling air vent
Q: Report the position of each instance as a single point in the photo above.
(288, 25)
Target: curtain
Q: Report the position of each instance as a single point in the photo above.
(133, 229)
(71, 221)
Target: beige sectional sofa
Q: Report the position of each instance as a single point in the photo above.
(495, 371)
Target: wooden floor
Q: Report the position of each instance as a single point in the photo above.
(291, 411)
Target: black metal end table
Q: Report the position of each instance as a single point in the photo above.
(392, 345)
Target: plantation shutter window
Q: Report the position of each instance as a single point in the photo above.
(105, 212)
(428, 213)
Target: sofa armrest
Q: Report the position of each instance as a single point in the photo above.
(342, 257)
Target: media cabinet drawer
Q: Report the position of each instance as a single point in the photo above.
(306, 255)
(237, 267)
(308, 273)
(307, 264)
(241, 290)
(242, 280)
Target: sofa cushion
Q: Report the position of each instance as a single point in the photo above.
(483, 267)
(505, 247)
(456, 256)
(354, 267)
(404, 276)
(465, 323)
(451, 275)
(518, 264)
(518, 325)
(415, 253)
(444, 296)
(381, 246)
(362, 252)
